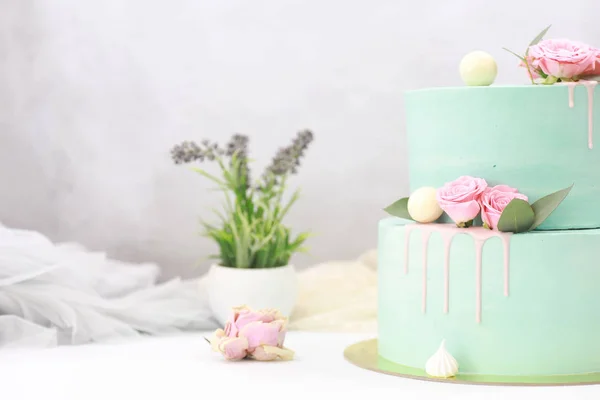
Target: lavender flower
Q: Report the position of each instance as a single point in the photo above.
(287, 159)
(238, 145)
(187, 152)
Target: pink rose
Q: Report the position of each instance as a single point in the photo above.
(460, 199)
(255, 334)
(494, 200)
(565, 59)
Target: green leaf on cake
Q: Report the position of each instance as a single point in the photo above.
(399, 209)
(546, 205)
(517, 217)
(550, 80)
(538, 38)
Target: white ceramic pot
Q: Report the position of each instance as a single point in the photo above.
(255, 287)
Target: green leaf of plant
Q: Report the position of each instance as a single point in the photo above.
(287, 207)
(210, 176)
(399, 209)
(517, 217)
(546, 205)
(514, 54)
(538, 38)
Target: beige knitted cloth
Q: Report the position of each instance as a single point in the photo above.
(338, 296)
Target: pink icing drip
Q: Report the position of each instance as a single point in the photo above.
(506, 244)
(425, 239)
(448, 231)
(571, 86)
(406, 245)
(478, 251)
(590, 85)
(447, 241)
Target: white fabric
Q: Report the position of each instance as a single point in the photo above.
(63, 294)
(338, 296)
(55, 294)
(184, 368)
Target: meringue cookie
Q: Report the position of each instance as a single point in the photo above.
(441, 364)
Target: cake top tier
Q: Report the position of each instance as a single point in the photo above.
(536, 138)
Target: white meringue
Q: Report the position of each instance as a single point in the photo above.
(478, 68)
(441, 364)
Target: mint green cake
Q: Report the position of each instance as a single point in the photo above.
(531, 305)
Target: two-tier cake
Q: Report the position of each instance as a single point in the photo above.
(508, 277)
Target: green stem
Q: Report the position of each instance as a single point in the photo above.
(528, 70)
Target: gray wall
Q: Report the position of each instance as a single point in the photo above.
(93, 93)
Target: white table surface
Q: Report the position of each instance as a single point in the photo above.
(184, 367)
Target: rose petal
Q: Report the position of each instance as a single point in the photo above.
(494, 200)
(504, 189)
(261, 354)
(461, 212)
(230, 329)
(247, 316)
(463, 189)
(261, 333)
(281, 338)
(216, 339)
(490, 217)
(270, 314)
(234, 348)
(270, 353)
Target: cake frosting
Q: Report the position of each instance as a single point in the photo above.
(448, 232)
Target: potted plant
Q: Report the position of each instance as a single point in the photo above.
(255, 246)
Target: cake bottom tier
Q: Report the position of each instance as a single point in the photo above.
(530, 306)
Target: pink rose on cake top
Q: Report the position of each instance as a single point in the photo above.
(549, 61)
(494, 200)
(565, 59)
(258, 335)
(460, 199)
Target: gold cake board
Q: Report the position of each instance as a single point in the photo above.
(364, 355)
